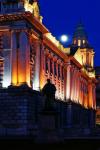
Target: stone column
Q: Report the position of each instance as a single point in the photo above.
(14, 47)
(90, 94)
(48, 67)
(82, 93)
(72, 83)
(64, 79)
(68, 82)
(57, 79)
(92, 59)
(52, 68)
(78, 87)
(44, 61)
(53, 71)
(20, 58)
(86, 94)
(57, 68)
(24, 59)
(92, 101)
(5, 60)
(42, 67)
(94, 96)
(36, 82)
(75, 85)
(61, 90)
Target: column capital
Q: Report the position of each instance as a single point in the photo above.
(19, 30)
(90, 81)
(55, 58)
(68, 63)
(58, 61)
(67, 66)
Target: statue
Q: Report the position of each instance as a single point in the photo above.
(33, 7)
(48, 91)
(36, 11)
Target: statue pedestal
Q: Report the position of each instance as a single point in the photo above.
(48, 119)
(48, 126)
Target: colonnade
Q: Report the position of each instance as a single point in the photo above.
(69, 80)
(52, 67)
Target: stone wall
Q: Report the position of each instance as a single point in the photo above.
(22, 115)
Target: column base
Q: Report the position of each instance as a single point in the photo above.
(23, 85)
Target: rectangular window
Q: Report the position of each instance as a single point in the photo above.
(83, 41)
(79, 42)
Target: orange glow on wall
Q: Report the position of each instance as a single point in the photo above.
(14, 76)
(85, 101)
(90, 95)
(14, 80)
(42, 79)
(80, 97)
(21, 78)
(28, 66)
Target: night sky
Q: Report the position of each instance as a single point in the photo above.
(62, 16)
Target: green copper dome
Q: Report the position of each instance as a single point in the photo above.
(80, 32)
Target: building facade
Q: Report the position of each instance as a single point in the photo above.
(29, 55)
(97, 69)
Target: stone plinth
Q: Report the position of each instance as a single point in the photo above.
(48, 119)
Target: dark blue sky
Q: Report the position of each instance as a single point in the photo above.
(62, 16)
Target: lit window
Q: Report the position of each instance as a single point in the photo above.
(83, 41)
(79, 42)
(75, 42)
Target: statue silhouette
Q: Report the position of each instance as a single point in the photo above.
(48, 91)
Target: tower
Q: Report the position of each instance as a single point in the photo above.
(80, 37)
(84, 52)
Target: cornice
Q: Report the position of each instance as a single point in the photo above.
(27, 16)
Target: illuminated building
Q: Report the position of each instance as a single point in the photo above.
(98, 95)
(31, 55)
